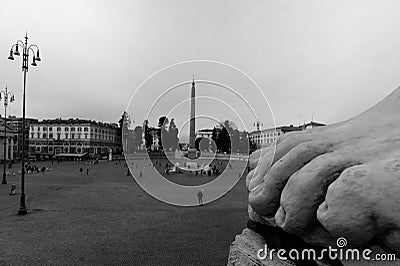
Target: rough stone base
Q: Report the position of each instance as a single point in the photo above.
(243, 251)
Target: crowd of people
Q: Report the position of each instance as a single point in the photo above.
(29, 168)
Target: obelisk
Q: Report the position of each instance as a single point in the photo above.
(192, 153)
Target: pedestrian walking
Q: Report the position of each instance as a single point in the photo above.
(200, 197)
(81, 170)
(87, 171)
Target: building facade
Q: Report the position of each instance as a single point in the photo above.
(204, 133)
(11, 134)
(73, 136)
(16, 123)
(265, 137)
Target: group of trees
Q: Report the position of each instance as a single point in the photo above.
(229, 139)
(225, 136)
(168, 134)
(132, 139)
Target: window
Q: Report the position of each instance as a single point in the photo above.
(72, 136)
(50, 135)
(50, 128)
(58, 129)
(58, 136)
(38, 128)
(86, 136)
(86, 129)
(38, 135)
(33, 135)
(66, 129)
(66, 135)
(44, 135)
(44, 128)
(72, 129)
(79, 135)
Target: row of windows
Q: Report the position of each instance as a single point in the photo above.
(262, 141)
(59, 129)
(69, 149)
(72, 136)
(266, 135)
(79, 129)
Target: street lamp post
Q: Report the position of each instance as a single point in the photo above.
(25, 55)
(5, 94)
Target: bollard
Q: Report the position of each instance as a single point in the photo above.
(12, 191)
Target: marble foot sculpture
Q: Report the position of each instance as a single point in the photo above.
(342, 180)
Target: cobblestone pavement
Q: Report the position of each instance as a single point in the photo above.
(105, 218)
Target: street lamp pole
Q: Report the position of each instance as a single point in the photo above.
(6, 94)
(25, 55)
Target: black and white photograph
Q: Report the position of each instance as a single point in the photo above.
(237, 133)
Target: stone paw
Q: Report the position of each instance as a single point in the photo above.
(342, 180)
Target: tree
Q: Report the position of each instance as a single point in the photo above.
(162, 121)
(226, 137)
(147, 134)
(124, 123)
(163, 132)
(138, 131)
(125, 120)
(224, 140)
(121, 120)
(221, 138)
(173, 138)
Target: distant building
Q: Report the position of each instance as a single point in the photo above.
(265, 137)
(16, 123)
(73, 136)
(10, 136)
(313, 124)
(204, 133)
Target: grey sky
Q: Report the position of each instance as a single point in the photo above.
(329, 59)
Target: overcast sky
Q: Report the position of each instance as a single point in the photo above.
(326, 59)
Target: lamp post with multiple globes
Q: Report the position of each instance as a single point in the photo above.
(26, 49)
